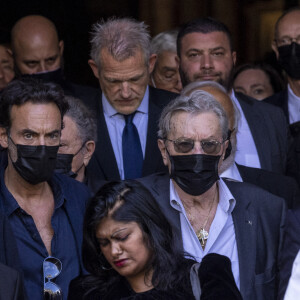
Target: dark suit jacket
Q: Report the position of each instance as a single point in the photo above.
(270, 133)
(275, 183)
(103, 164)
(291, 246)
(258, 219)
(281, 100)
(11, 284)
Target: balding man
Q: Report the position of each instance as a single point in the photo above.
(286, 46)
(275, 183)
(38, 52)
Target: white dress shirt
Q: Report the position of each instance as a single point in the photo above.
(293, 106)
(221, 237)
(293, 289)
(246, 153)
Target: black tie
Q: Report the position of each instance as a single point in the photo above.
(132, 149)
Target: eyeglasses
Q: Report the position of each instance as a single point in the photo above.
(184, 145)
(51, 269)
(287, 40)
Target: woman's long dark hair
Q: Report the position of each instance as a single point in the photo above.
(137, 205)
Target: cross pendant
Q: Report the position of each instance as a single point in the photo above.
(202, 236)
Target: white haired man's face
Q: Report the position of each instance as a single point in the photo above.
(123, 82)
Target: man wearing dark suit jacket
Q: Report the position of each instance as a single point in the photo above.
(208, 214)
(275, 183)
(127, 106)
(206, 53)
(285, 45)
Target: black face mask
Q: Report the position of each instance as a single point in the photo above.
(64, 163)
(55, 76)
(289, 59)
(35, 164)
(196, 173)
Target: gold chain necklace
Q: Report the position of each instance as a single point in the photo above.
(202, 234)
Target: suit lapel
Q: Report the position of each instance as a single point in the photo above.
(245, 226)
(256, 124)
(104, 151)
(152, 153)
(161, 188)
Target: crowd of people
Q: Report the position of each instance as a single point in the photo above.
(169, 181)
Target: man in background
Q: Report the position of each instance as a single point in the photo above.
(165, 74)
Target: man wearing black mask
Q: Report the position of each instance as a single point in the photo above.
(45, 210)
(209, 214)
(286, 46)
(38, 53)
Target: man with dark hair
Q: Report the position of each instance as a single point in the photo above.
(38, 52)
(128, 110)
(205, 50)
(45, 210)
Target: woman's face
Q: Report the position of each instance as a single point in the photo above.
(124, 247)
(254, 83)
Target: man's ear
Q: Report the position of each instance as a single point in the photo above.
(94, 68)
(275, 49)
(152, 61)
(233, 54)
(3, 137)
(90, 149)
(225, 153)
(61, 46)
(163, 151)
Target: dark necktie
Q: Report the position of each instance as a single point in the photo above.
(132, 149)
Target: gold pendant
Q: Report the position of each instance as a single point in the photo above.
(202, 236)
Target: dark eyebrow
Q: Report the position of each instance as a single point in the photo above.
(54, 131)
(256, 85)
(217, 48)
(118, 231)
(52, 57)
(28, 131)
(27, 61)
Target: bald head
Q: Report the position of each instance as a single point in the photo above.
(35, 45)
(219, 93)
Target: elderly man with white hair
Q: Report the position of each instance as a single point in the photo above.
(210, 214)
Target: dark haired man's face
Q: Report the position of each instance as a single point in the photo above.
(206, 56)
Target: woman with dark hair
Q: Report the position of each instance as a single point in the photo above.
(129, 251)
(257, 80)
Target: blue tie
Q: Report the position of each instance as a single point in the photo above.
(132, 149)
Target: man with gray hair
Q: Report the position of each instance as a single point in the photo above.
(128, 110)
(78, 142)
(275, 183)
(209, 214)
(165, 74)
